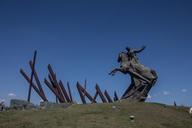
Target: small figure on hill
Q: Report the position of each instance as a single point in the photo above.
(175, 104)
(2, 106)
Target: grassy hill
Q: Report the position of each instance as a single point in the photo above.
(147, 115)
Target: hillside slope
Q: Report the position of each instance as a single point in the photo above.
(147, 115)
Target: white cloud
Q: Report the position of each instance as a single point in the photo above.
(149, 97)
(2, 100)
(11, 95)
(183, 90)
(166, 93)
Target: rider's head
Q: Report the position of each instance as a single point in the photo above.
(128, 49)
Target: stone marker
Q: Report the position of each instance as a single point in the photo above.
(18, 104)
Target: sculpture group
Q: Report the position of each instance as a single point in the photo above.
(142, 78)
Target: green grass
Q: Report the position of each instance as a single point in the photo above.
(147, 115)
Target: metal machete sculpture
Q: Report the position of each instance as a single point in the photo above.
(142, 78)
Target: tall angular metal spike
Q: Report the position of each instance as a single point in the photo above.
(31, 79)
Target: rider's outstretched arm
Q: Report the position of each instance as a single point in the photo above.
(140, 50)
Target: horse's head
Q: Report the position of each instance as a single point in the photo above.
(122, 57)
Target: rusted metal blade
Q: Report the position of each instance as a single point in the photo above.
(52, 83)
(31, 78)
(37, 79)
(115, 96)
(95, 97)
(108, 97)
(81, 94)
(64, 91)
(100, 93)
(54, 91)
(32, 84)
(83, 91)
(56, 85)
(69, 90)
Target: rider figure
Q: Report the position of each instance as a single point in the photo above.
(132, 53)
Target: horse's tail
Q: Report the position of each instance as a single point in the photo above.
(154, 74)
(155, 77)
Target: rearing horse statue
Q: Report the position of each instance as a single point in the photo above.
(142, 78)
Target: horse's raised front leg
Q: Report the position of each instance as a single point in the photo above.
(114, 71)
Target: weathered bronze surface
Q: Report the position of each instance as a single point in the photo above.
(142, 78)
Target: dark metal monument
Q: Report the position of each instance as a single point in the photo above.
(142, 80)
(62, 95)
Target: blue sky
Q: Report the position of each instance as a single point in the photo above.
(82, 39)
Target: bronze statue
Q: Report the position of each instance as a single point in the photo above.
(142, 78)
